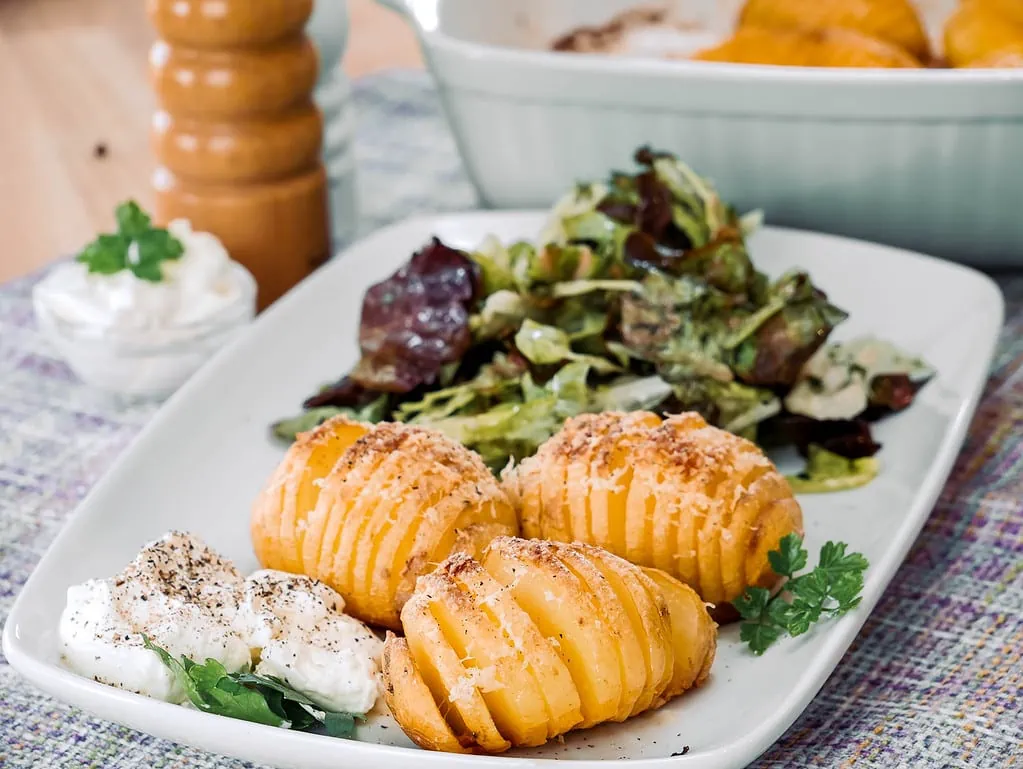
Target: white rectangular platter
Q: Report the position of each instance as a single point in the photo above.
(201, 461)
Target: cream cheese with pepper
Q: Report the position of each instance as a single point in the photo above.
(192, 602)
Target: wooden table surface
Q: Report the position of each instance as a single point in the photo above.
(73, 78)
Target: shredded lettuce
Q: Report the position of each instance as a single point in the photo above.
(638, 293)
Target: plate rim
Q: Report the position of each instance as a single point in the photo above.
(173, 721)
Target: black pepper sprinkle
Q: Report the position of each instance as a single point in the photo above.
(685, 749)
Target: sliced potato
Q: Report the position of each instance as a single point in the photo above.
(540, 638)
(566, 615)
(694, 636)
(280, 514)
(369, 508)
(457, 690)
(696, 501)
(620, 633)
(512, 696)
(564, 709)
(340, 491)
(415, 708)
(472, 511)
(381, 570)
(646, 612)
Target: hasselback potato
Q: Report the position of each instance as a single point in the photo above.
(807, 48)
(679, 495)
(538, 638)
(894, 21)
(368, 508)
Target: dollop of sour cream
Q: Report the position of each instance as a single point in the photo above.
(177, 591)
(304, 638)
(199, 285)
(191, 601)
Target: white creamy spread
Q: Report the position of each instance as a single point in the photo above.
(179, 593)
(198, 286)
(835, 382)
(304, 638)
(190, 601)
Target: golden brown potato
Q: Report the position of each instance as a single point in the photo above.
(762, 45)
(815, 48)
(689, 632)
(893, 21)
(414, 705)
(1007, 58)
(367, 509)
(536, 639)
(980, 31)
(697, 502)
(1011, 10)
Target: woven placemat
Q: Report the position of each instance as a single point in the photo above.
(934, 678)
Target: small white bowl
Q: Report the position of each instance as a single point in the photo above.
(146, 363)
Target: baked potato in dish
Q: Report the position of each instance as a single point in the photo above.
(537, 638)
(1007, 58)
(368, 508)
(807, 48)
(1011, 10)
(893, 21)
(982, 31)
(702, 504)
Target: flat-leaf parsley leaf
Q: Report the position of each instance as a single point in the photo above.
(112, 252)
(831, 589)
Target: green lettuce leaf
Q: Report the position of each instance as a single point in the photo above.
(497, 265)
(287, 430)
(501, 314)
(546, 345)
(515, 429)
(677, 324)
(731, 406)
(773, 344)
(632, 394)
(495, 381)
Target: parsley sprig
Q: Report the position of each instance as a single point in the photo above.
(831, 589)
(112, 252)
(251, 697)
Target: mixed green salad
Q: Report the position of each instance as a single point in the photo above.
(639, 294)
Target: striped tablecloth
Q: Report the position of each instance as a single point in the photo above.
(934, 679)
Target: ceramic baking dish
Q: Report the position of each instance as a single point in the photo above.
(925, 159)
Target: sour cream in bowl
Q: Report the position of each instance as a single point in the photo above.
(143, 328)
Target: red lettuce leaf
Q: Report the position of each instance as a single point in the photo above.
(345, 393)
(417, 321)
(892, 392)
(849, 438)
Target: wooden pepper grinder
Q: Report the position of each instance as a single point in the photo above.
(237, 136)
